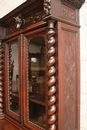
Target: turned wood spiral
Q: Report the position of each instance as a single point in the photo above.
(1, 81)
(51, 77)
(10, 77)
(47, 7)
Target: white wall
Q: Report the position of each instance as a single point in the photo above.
(83, 61)
(7, 6)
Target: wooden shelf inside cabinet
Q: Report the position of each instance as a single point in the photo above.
(38, 68)
(15, 97)
(38, 99)
(15, 94)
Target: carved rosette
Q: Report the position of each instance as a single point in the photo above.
(1, 81)
(51, 77)
(10, 77)
(47, 7)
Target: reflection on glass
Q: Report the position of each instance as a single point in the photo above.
(37, 81)
(13, 79)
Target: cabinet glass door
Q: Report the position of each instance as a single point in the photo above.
(13, 93)
(13, 78)
(37, 82)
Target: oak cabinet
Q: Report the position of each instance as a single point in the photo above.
(40, 50)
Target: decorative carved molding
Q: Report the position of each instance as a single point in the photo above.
(2, 32)
(69, 105)
(47, 7)
(76, 3)
(40, 9)
(68, 13)
(51, 77)
(19, 21)
(35, 18)
(28, 21)
(1, 81)
(29, 18)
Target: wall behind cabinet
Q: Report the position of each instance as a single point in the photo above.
(7, 6)
(83, 67)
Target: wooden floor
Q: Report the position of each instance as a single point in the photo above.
(5, 125)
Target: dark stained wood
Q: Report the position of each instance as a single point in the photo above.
(38, 32)
(57, 21)
(68, 52)
(5, 125)
(8, 89)
(1, 81)
(51, 84)
(2, 32)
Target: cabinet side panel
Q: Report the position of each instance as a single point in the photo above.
(68, 78)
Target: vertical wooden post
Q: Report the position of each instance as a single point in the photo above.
(1, 81)
(2, 34)
(51, 77)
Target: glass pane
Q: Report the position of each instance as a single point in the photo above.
(37, 81)
(13, 79)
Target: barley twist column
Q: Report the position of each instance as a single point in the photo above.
(51, 77)
(1, 81)
(10, 77)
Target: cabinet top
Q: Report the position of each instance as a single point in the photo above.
(76, 3)
(33, 11)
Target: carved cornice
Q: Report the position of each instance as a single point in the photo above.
(34, 11)
(30, 14)
(28, 21)
(76, 3)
